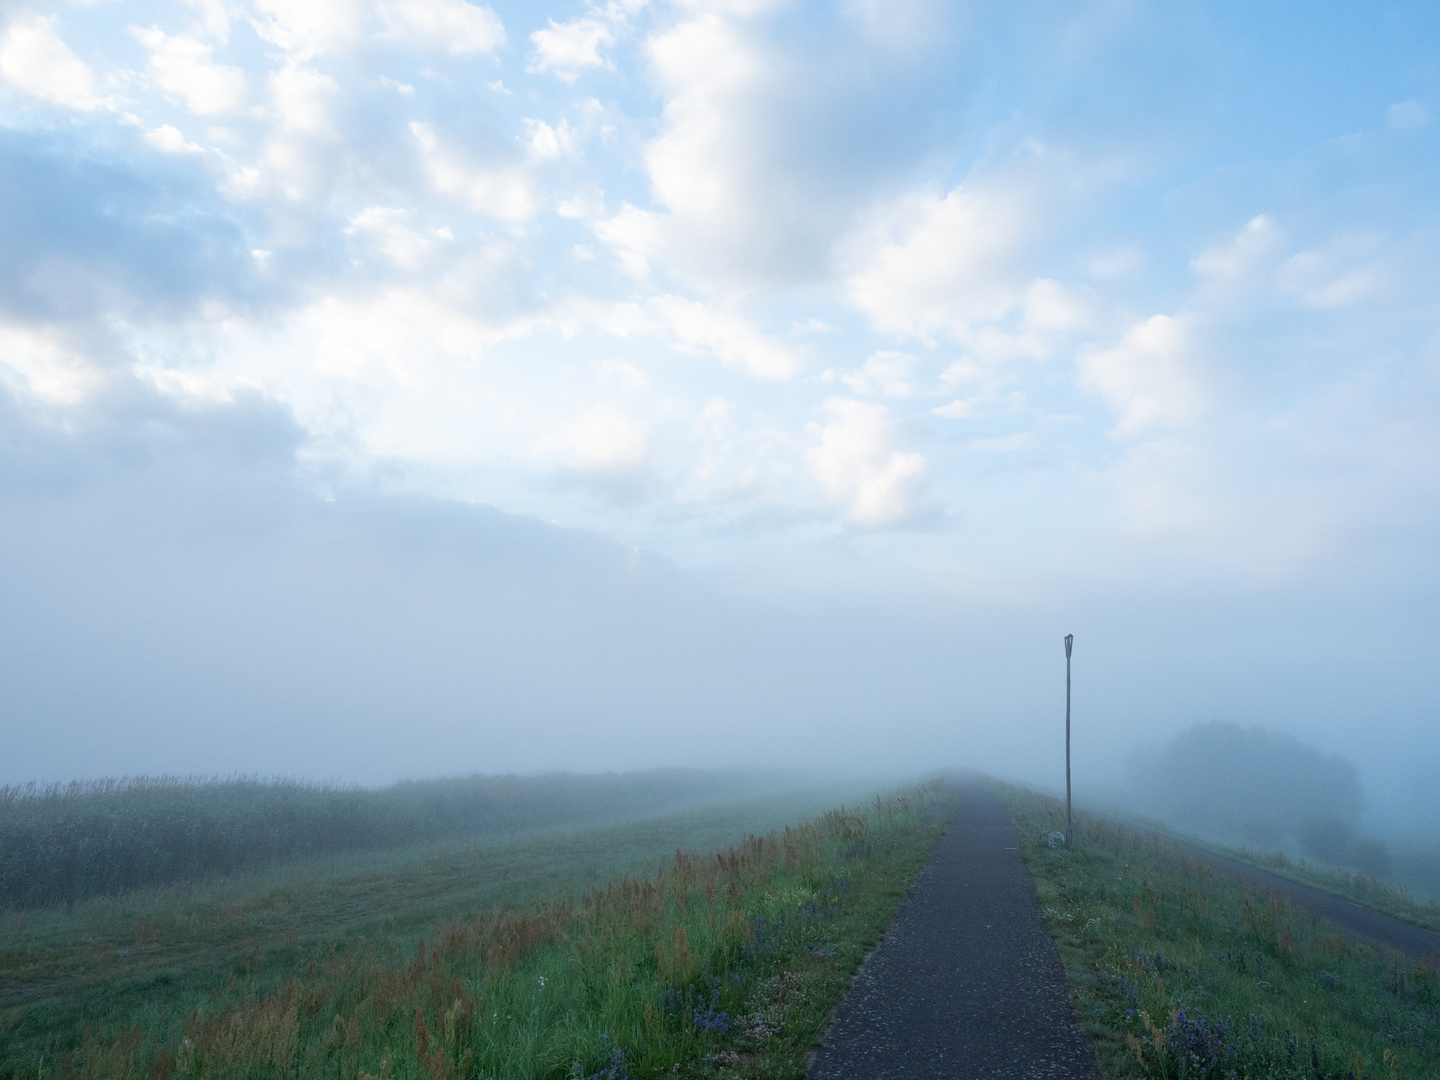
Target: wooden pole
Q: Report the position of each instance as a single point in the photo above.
(1069, 825)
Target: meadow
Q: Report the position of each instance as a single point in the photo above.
(1180, 972)
(1414, 902)
(1387, 896)
(574, 955)
(65, 842)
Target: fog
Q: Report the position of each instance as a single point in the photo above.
(176, 600)
(678, 385)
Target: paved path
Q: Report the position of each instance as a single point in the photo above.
(1349, 916)
(1379, 927)
(967, 982)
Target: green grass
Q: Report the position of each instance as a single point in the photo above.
(321, 968)
(1179, 972)
(67, 842)
(1384, 896)
(1387, 896)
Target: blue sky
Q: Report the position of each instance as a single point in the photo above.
(1000, 320)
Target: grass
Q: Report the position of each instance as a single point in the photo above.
(1178, 972)
(555, 957)
(67, 842)
(1391, 897)
(1384, 896)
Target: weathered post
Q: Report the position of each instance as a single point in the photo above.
(1069, 826)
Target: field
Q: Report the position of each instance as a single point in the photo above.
(1181, 973)
(552, 956)
(67, 842)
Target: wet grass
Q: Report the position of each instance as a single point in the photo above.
(1390, 896)
(553, 957)
(1179, 972)
(61, 843)
(1383, 896)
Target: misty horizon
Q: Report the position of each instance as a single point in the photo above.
(400, 391)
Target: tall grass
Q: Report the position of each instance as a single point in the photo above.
(727, 961)
(1394, 899)
(67, 842)
(1182, 972)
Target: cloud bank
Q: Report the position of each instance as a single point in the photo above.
(994, 318)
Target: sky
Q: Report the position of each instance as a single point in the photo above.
(391, 388)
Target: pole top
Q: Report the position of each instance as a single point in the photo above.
(1069, 641)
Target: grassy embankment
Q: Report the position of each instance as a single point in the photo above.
(1385, 896)
(1181, 973)
(532, 959)
(1390, 896)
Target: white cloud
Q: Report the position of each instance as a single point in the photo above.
(34, 59)
(905, 27)
(37, 362)
(706, 68)
(1244, 262)
(313, 27)
(547, 143)
(884, 374)
(1003, 444)
(618, 373)
(464, 372)
(1149, 379)
(302, 97)
(1120, 261)
(406, 248)
(692, 325)
(858, 467)
(1408, 116)
(169, 140)
(725, 334)
(566, 49)
(181, 66)
(741, 206)
(301, 153)
(636, 236)
(959, 409)
(935, 263)
(1051, 307)
(604, 443)
(505, 191)
(377, 374)
(984, 388)
(452, 26)
(212, 18)
(308, 29)
(1342, 272)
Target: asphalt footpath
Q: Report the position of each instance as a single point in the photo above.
(1376, 926)
(967, 981)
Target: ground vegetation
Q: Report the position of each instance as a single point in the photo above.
(726, 964)
(1179, 971)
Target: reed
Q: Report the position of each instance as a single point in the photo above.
(60, 843)
(727, 963)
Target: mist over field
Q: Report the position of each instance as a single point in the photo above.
(399, 391)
